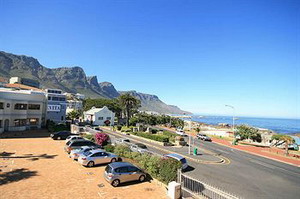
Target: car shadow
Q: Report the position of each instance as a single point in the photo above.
(189, 168)
(31, 157)
(34, 133)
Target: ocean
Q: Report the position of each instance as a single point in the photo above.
(285, 126)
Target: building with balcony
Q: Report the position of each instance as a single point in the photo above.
(21, 109)
(56, 105)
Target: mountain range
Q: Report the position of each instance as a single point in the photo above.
(74, 80)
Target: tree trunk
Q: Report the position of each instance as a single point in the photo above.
(127, 117)
(286, 148)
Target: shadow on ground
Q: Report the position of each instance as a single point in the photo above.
(36, 133)
(189, 168)
(8, 155)
(16, 175)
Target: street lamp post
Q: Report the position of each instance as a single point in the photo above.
(233, 116)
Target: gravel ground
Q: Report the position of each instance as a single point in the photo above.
(39, 168)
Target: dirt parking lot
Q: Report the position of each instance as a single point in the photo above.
(39, 168)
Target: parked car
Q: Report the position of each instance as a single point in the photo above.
(96, 156)
(74, 137)
(203, 137)
(122, 141)
(120, 172)
(139, 147)
(178, 158)
(77, 144)
(61, 135)
(181, 132)
(74, 154)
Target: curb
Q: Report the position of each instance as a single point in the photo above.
(258, 155)
(222, 160)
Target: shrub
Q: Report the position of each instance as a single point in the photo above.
(120, 150)
(159, 138)
(154, 131)
(119, 127)
(168, 170)
(126, 129)
(109, 148)
(101, 139)
(89, 137)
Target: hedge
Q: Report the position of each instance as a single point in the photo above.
(165, 170)
(159, 138)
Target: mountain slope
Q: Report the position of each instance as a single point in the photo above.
(73, 80)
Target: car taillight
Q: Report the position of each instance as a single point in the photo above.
(83, 158)
(110, 175)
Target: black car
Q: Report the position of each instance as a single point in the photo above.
(61, 135)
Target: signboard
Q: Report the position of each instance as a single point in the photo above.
(55, 108)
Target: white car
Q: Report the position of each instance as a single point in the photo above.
(74, 137)
(178, 158)
(97, 156)
(122, 141)
(75, 153)
(138, 147)
(181, 132)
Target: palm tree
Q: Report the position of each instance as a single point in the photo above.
(129, 104)
(73, 115)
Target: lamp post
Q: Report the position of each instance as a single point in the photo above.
(233, 115)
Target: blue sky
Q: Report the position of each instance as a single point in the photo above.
(198, 55)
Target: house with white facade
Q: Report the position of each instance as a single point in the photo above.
(21, 109)
(98, 116)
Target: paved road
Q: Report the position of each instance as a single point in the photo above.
(247, 175)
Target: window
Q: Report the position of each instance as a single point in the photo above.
(1, 105)
(100, 118)
(122, 170)
(55, 98)
(20, 122)
(0, 123)
(20, 106)
(132, 169)
(34, 106)
(62, 118)
(108, 118)
(7, 105)
(62, 99)
(33, 121)
(49, 98)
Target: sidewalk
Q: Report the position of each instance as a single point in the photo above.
(271, 153)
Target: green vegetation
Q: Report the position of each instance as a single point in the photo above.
(162, 169)
(247, 132)
(109, 148)
(148, 119)
(129, 105)
(73, 115)
(287, 140)
(89, 137)
(156, 137)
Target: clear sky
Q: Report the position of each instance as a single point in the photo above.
(198, 55)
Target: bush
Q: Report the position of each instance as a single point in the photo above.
(121, 150)
(109, 148)
(159, 138)
(119, 127)
(126, 129)
(101, 139)
(168, 170)
(154, 131)
(89, 137)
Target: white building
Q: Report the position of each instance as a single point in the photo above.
(97, 116)
(74, 105)
(21, 109)
(56, 105)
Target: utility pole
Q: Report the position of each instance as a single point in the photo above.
(233, 116)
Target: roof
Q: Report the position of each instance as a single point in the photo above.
(22, 86)
(94, 110)
(120, 164)
(175, 155)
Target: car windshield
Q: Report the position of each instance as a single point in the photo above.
(142, 146)
(183, 160)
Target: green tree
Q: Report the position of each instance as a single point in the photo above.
(287, 140)
(247, 132)
(73, 115)
(129, 105)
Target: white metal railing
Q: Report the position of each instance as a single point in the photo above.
(200, 189)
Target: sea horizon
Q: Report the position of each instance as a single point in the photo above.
(278, 125)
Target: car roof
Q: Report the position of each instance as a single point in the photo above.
(120, 164)
(97, 150)
(174, 155)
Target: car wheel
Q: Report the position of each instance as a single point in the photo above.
(113, 160)
(90, 164)
(59, 138)
(115, 183)
(142, 178)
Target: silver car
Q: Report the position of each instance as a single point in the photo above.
(96, 156)
(138, 147)
(120, 172)
(77, 152)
